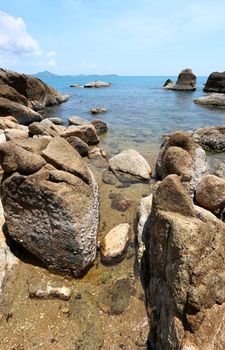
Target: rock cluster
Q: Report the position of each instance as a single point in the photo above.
(50, 201)
(97, 84)
(21, 96)
(186, 81)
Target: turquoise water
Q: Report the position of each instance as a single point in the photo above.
(139, 110)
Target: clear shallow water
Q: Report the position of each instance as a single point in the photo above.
(139, 110)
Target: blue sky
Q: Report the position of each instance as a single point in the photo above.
(125, 37)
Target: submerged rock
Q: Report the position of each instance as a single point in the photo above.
(97, 84)
(76, 120)
(98, 110)
(215, 83)
(50, 202)
(53, 289)
(120, 202)
(184, 272)
(100, 126)
(115, 300)
(131, 162)
(211, 138)
(212, 100)
(114, 243)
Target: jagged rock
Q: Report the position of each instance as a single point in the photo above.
(40, 129)
(168, 84)
(24, 115)
(97, 84)
(180, 155)
(98, 110)
(76, 120)
(184, 272)
(50, 209)
(11, 94)
(87, 133)
(210, 194)
(131, 162)
(100, 126)
(212, 100)
(114, 243)
(215, 83)
(53, 289)
(79, 145)
(186, 81)
(211, 138)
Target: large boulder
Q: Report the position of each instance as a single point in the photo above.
(131, 162)
(24, 115)
(186, 81)
(50, 200)
(184, 272)
(210, 194)
(212, 100)
(20, 91)
(180, 155)
(215, 82)
(211, 138)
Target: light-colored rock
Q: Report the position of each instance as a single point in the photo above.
(11, 134)
(56, 120)
(211, 138)
(97, 84)
(130, 161)
(9, 123)
(184, 272)
(114, 243)
(87, 133)
(168, 84)
(52, 289)
(212, 100)
(210, 194)
(2, 138)
(55, 127)
(37, 128)
(76, 120)
(52, 212)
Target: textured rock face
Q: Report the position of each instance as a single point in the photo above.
(210, 194)
(131, 162)
(215, 82)
(180, 155)
(186, 81)
(21, 94)
(86, 133)
(211, 138)
(213, 100)
(50, 200)
(185, 283)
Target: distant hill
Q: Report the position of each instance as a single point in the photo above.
(45, 74)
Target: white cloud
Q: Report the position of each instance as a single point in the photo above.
(50, 54)
(14, 38)
(83, 64)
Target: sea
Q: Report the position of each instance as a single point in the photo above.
(139, 110)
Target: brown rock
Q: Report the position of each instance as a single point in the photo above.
(33, 145)
(210, 194)
(24, 115)
(211, 138)
(86, 133)
(12, 134)
(80, 146)
(9, 122)
(40, 129)
(184, 272)
(11, 94)
(63, 156)
(100, 126)
(14, 158)
(186, 81)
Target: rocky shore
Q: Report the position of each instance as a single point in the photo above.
(101, 250)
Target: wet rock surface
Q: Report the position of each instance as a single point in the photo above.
(211, 138)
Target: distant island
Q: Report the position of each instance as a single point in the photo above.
(50, 74)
